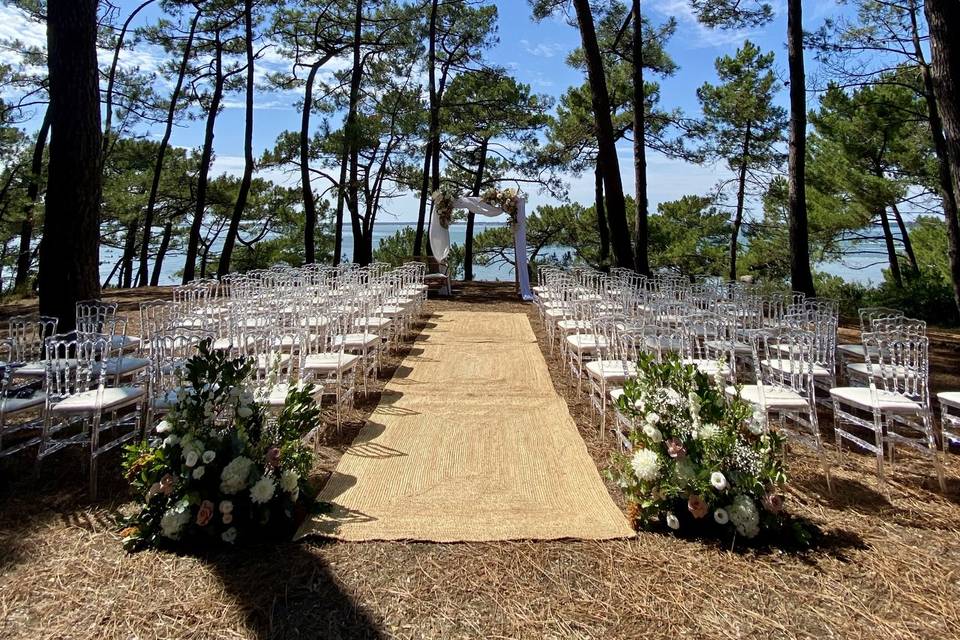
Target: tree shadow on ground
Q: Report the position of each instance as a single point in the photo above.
(289, 591)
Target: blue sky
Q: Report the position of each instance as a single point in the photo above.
(535, 52)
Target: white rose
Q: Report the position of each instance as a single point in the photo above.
(653, 418)
(164, 427)
(226, 507)
(720, 516)
(198, 472)
(230, 535)
(673, 522)
(171, 440)
(718, 480)
(208, 456)
(227, 518)
(190, 458)
(653, 433)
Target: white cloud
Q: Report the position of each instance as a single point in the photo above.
(697, 35)
(543, 49)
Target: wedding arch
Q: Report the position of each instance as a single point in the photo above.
(493, 203)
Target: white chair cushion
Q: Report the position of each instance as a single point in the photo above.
(372, 323)
(123, 366)
(740, 348)
(164, 401)
(611, 370)
(356, 340)
(86, 402)
(777, 398)
(709, 367)
(586, 343)
(16, 405)
(329, 362)
(124, 342)
(950, 398)
(859, 370)
(783, 365)
(573, 325)
(887, 401)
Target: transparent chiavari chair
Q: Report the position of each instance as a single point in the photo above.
(78, 392)
(169, 351)
(610, 367)
(787, 392)
(330, 367)
(23, 395)
(895, 406)
(703, 348)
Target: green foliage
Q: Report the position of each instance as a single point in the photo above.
(673, 247)
(699, 460)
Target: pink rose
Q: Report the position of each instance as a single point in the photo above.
(675, 448)
(697, 506)
(773, 503)
(227, 518)
(273, 457)
(205, 514)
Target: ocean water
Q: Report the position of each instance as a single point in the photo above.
(859, 269)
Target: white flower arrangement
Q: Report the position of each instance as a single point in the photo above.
(213, 473)
(443, 204)
(507, 200)
(698, 462)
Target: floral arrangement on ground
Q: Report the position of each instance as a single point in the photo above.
(220, 472)
(505, 200)
(698, 461)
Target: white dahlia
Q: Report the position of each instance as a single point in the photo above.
(263, 490)
(646, 465)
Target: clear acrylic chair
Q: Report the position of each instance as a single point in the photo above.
(895, 406)
(78, 393)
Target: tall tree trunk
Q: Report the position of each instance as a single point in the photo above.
(309, 204)
(801, 275)
(907, 243)
(741, 196)
(471, 216)
(69, 251)
(129, 253)
(111, 80)
(424, 196)
(341, 193)
(227, 252)
(33, 195)
(943, 19)
(891, 248)
(606, 142)
(161, 253)
(434, 126)
(602, 230)
(641, 225)
(360, 253)
(193, 242)
(161, 154)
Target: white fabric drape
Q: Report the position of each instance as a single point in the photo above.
(440, 236)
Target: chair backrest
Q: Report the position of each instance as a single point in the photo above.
(95, 316)
(899, 362)
(869, 314)
(27, 334)
(75, 363)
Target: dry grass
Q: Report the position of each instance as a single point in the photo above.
(887, 565)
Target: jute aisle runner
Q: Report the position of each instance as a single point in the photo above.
(470, 442)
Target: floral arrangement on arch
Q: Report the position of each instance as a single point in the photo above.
(443, 202)
(220, 472)
(505, 200)
(699, 461)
